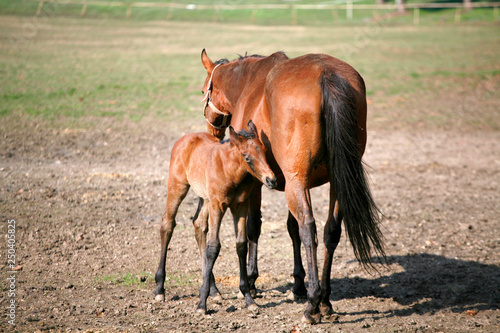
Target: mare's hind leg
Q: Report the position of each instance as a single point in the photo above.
(212, 252)
(331, 239)
(254, 224)
(299, 288)
(239, 216)
(175, 194)
(299, 202)
(200, 223)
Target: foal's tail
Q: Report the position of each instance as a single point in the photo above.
(345, 168)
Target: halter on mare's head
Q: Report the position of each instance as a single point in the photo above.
(217, 120)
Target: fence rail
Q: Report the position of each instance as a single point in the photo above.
(349, 7)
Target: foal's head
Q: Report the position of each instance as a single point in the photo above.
(253, 154)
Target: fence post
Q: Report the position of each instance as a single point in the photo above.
(348, 9)
(416, 16)
(84, 9)
(458, 12)
(129, 11)
(39, 10)
(169, 15)
(253, 15)
(335, 15)
(294, 15)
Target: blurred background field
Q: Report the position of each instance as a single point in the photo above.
(66, 69)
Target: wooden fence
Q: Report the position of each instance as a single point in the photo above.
(349, 7)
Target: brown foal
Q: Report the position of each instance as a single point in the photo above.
(222, 174)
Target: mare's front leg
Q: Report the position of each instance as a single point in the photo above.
(254, 224)
(239, 213)
(216, 212)
(299, 288)
(299, 203)
(200, 223)
(176, 192)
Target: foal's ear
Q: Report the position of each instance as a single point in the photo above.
(207, 63)
(251, 127)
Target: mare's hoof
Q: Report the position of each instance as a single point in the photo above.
(253, 293)
(201, 311)
(294, 297)
(217, 299)
(240, 295)
(311, 320)
(254, 308)
(160, 298)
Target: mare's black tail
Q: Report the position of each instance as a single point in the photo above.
(347, 175)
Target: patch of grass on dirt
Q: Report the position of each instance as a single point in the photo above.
(127, 279)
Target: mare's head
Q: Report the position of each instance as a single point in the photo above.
(221, 89)
(253, 153)
(216, 107)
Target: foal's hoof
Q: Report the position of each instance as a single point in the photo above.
(294, 297)
(326, 309)
(217, 299)
(201, 311)
(254, 308)
(311, 319)
(253, 293)
(240, 295)
(160, 298)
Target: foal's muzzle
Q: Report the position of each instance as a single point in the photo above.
(271, 182)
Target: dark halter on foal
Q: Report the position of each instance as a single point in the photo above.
(226, 117)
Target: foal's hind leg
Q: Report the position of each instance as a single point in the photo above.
(299, 288)
(213, 248)
(200, 223)
(331, 239)
(254, 224)
(176, 193)
(239, 216)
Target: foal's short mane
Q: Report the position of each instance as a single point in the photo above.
(245, 134)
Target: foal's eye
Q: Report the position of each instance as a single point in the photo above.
(247, 159)
(202, 92)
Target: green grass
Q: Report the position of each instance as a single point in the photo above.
(261, 16)
(71, 71)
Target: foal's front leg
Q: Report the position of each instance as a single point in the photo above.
(216, 212)
(239, 216)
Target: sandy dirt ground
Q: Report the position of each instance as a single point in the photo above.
(87, 204)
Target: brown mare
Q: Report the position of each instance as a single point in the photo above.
(311, 113)
(222, 175)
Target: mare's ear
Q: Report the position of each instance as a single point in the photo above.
(251, 127)
(207, 63)
(233, 136)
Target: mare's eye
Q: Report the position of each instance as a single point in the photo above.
(202, 92)
(247, 159)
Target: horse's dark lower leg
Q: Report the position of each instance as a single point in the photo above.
(239, 217)
(200, 223)
(212, 253)
(299, 203)
(299, 288)
(166, 230)
(175, 194)
(254, 224)
(331, 239)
